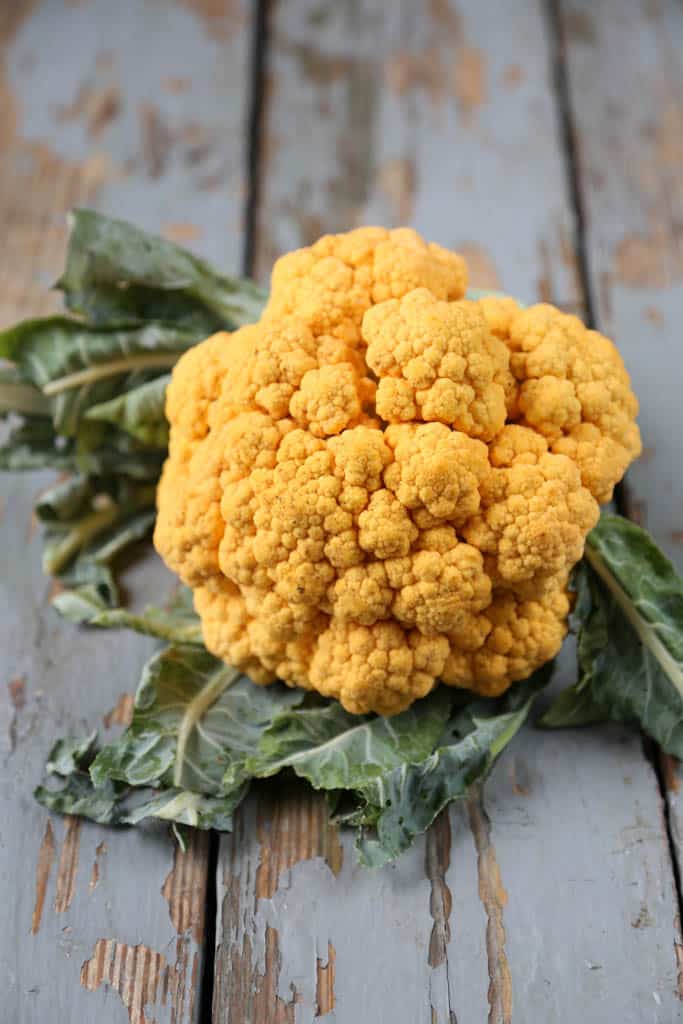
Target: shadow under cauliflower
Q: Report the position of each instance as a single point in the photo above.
(381, 483)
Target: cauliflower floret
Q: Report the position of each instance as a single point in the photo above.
(513, 637)
(571, 377)
(535, 514)
(381, 484)
(380, 668)
(436, 361)
(436, 470)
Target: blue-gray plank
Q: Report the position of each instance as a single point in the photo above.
(138, 108)
(552, 898)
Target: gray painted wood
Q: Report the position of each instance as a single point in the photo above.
(137, 108)
(440, 115)
(552, 897)
(625, 67)
(625, 73)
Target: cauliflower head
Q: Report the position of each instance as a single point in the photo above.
(383, 484)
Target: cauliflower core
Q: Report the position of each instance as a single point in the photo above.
(382, 484)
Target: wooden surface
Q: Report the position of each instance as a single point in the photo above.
(545, 141)
(139, 109)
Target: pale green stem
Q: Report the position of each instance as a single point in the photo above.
(101, 371)
(646, 634)
(195, 709)
(79, 536)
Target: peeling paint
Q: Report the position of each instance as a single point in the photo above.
(291, 827)
(156, 140)
(397, 180)
(100, 851)
(325, 999)
(519, 777)
(175, 85)
(437, 862)
(221, 18)
(137, 973)
(16, 689)
(97, 107)
(121, 713)
(46, 856)
(68, 864)
(643, 918)
(513, 76)
(182, 232)
(494, 898)
(469, 81)
(185, 886)
(648, 260)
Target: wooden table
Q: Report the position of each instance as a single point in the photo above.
(543, 140)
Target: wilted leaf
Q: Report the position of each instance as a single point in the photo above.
(629, 614)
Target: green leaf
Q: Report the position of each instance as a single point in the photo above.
(18, 396)
(194, 718)
(335, 750)
(115, 803)
(76, 365)
(167, 624)
(629, 614)
(70, 754)
(34, 444)
(186, 808)
(404, 802)
(65, 500)
(77, 795)
(140, 412)
(116, 271)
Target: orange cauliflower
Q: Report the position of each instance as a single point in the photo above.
(383, 484)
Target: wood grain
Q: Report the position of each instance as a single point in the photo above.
(444, 116)
(625, 77)
(99, 925)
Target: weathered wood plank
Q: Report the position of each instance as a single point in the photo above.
(138, 109)
(445, 118)
(625, 68)
(423, 114)
(625, 77)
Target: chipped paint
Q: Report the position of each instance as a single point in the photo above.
(176, 85)
(653, 316)
(293, 826)
(469, 81)
(437, 862)
(100, 851)
(185, 886)
(494, 898)
(397, 180)
(221, 18)
(513, 76)
(483, 272)
(46, 856)
(16, 689)
(325, 999)
(643, 918)
(68, 864)
(96, 107)
(182, 232)
(519, 777)
(138, 974)
(121, 713)
(648, 260)
(156, 140)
